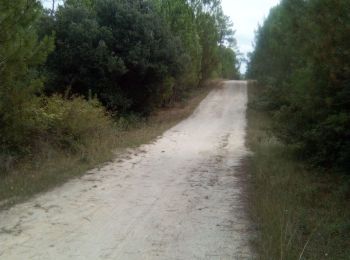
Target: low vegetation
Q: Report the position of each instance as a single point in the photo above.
(301, 212)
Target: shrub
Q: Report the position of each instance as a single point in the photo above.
(67, 125)
(72, 124)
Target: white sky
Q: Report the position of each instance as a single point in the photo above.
(246, 15)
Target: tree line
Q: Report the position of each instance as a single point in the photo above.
(95, 60)
(302, 57)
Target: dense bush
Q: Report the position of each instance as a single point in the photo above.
(302, 55)
(134, 55)
(119, 50)
(68, 125)
(72, 124)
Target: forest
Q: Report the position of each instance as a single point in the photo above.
(299, 130)
(81, 80)
(302, 57)
(70, 74)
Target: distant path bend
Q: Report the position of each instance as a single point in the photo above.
(178, 198)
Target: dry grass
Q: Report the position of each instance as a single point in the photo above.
(53, 168)
(301, 213)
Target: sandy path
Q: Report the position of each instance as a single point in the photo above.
(178, 198)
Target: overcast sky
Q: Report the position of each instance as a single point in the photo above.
(246, 15)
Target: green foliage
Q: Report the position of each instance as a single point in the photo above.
(72, 124)
(27, 118)
(302, 56)
(215, 33)
(119, 50)
(125, 52)
(181, 20)
(20, 53)
(228, 66)
(301, 213)
(67, 125)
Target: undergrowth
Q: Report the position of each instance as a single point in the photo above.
(301, 212)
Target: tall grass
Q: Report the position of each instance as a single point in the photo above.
(302, 213)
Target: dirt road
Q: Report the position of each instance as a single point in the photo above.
(178, 198)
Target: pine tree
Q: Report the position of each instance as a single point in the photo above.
(20, 53)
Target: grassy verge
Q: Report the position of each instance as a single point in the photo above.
(53, 167)
(301, 213)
